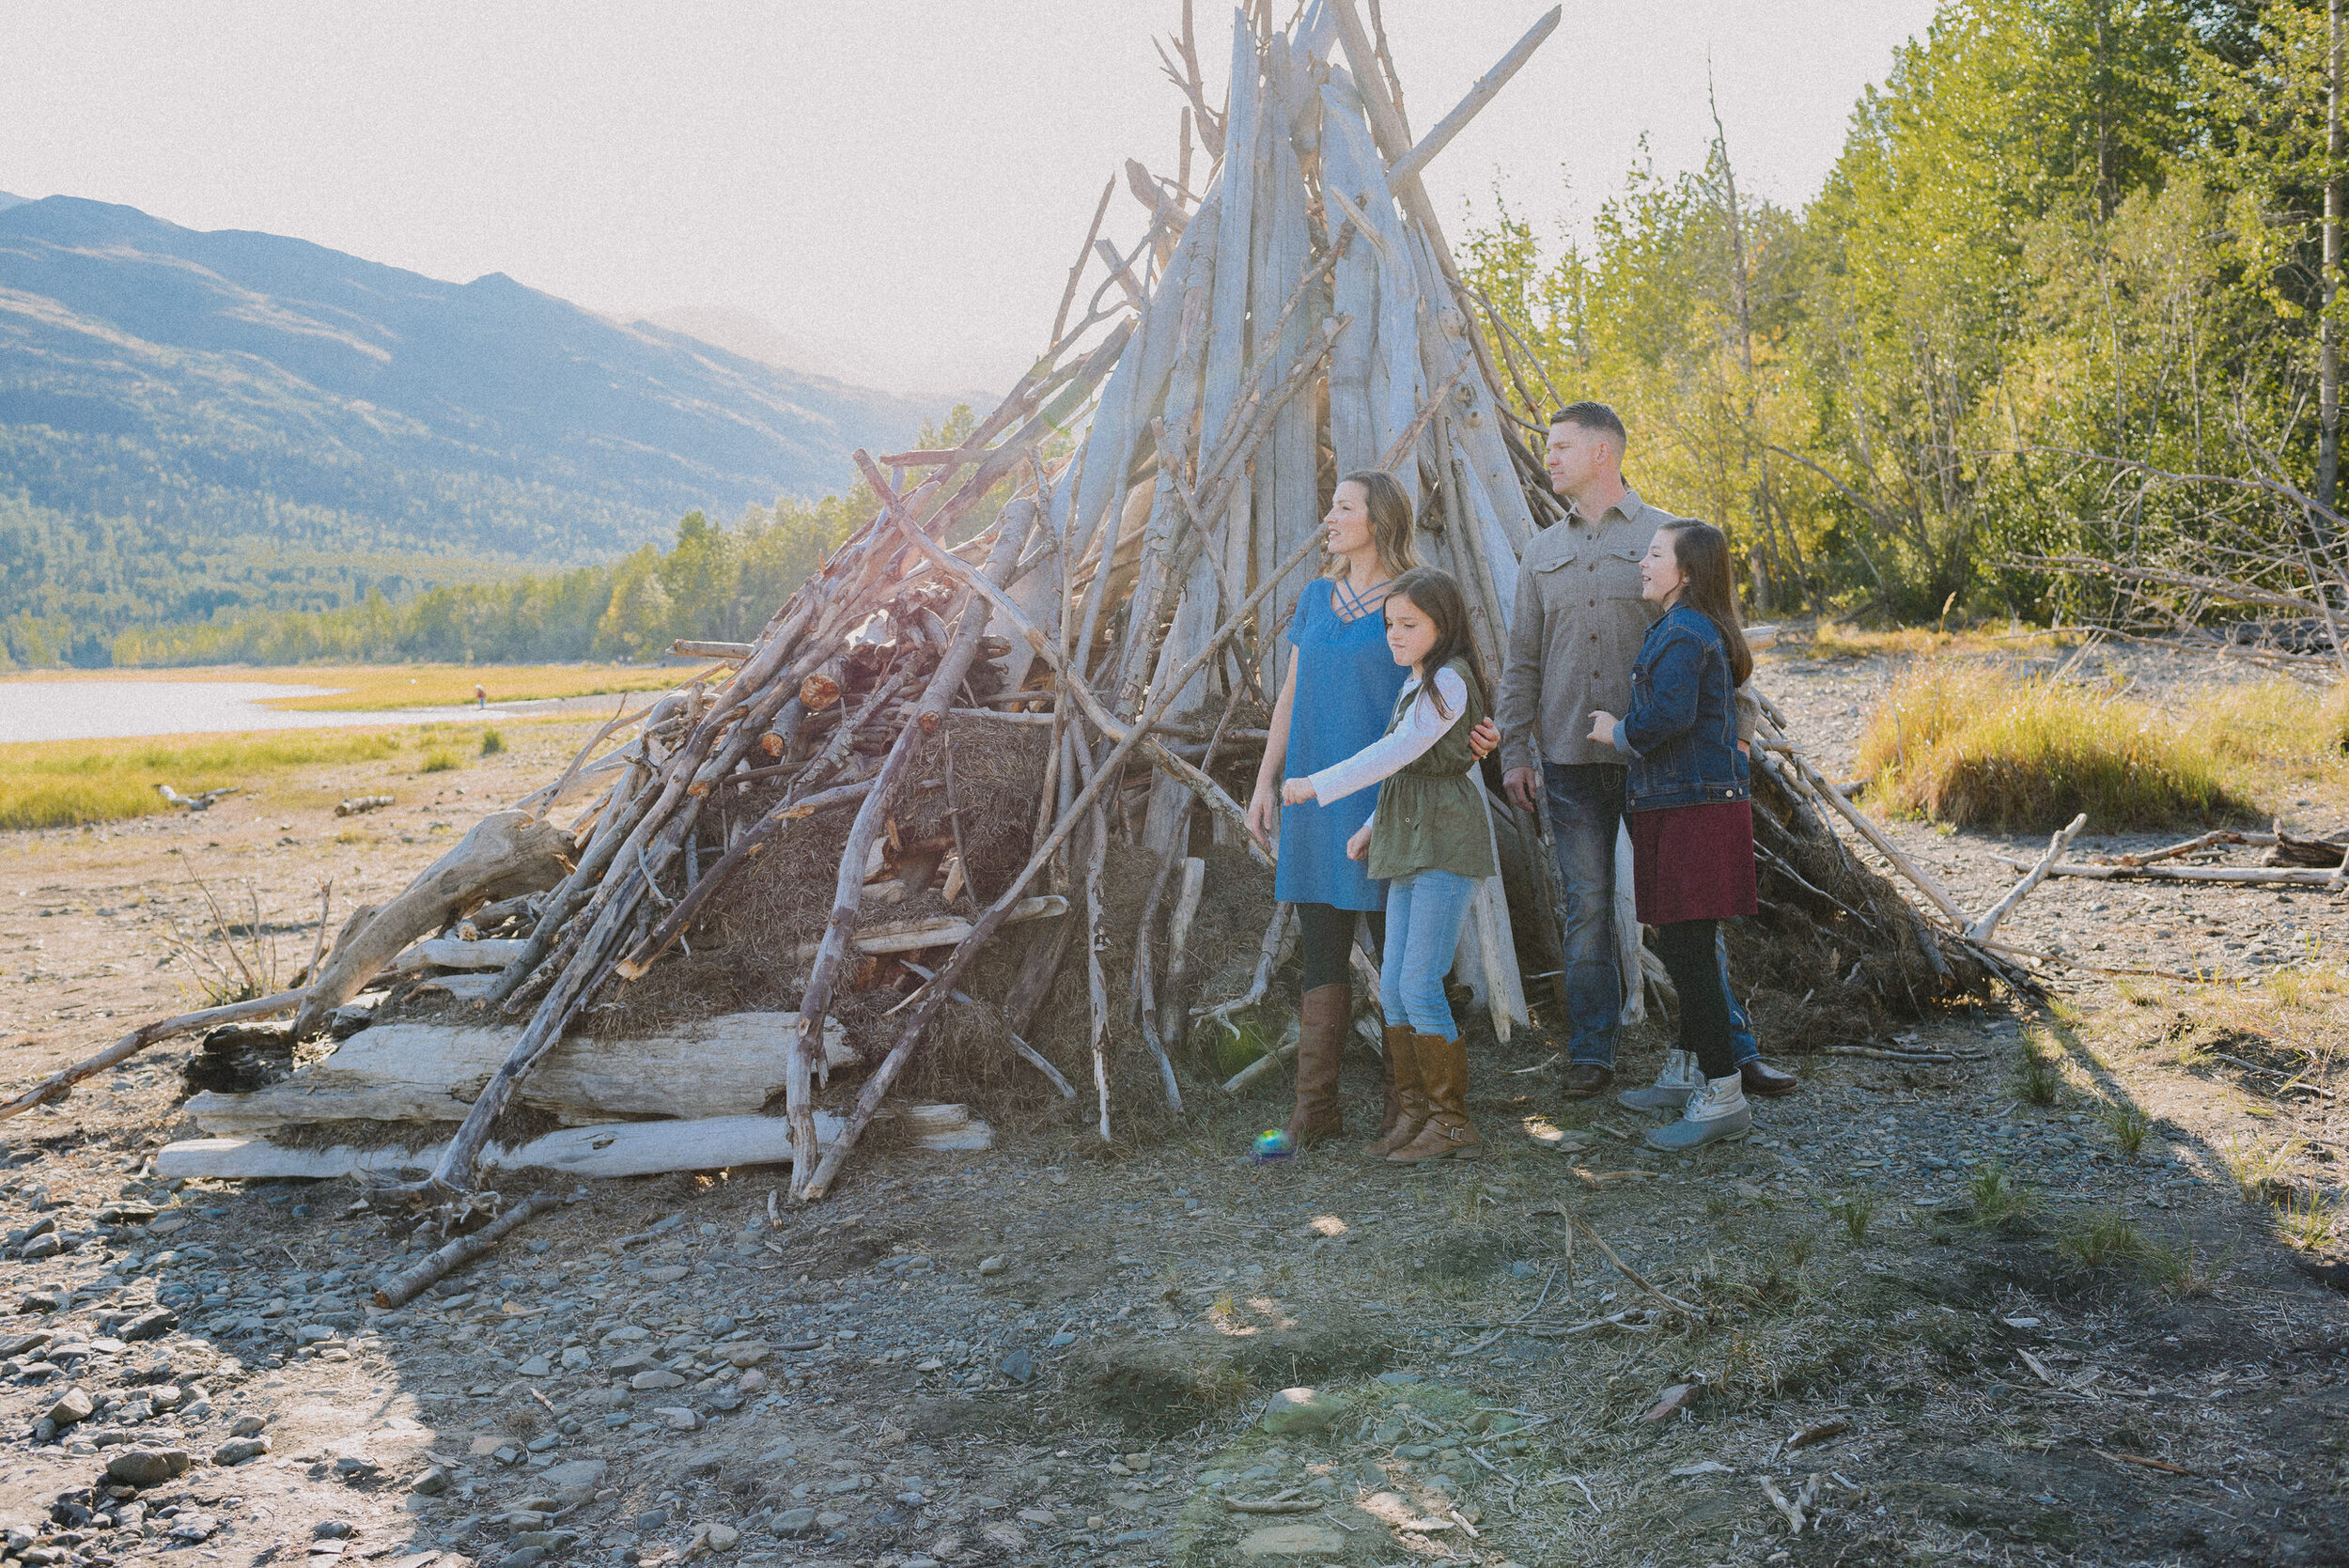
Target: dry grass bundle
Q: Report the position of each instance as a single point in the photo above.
(1977, 748)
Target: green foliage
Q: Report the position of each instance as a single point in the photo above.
(2060, 226)
(438, 760)
(491, 743)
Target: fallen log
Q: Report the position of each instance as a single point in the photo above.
(408, 1283)
(359, 804)
(507, 853)
(453, 953)
(611, 1149)
(2241, 876)
(733, 652)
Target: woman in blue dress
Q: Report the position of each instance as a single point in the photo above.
(1339, 659)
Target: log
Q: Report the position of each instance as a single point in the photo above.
(1981, 929)
(408, 1283)
(2241, 876)
(1407, 167)
(1098, 1038)
(733, 652)
(727, 1065)
(60, 1084)
(613, 1149)
(507, 853)
(450, 953)
(1178, 954)
(359, 804)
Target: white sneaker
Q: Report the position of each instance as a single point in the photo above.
(1717, 1111)
(1680, 1078)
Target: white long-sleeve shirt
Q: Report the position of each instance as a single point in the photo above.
(1401, 746)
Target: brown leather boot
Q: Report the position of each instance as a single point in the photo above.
(1447, 1133)
(1406, 1103)
(1322, 1017)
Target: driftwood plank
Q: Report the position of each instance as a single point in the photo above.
(723, 1066)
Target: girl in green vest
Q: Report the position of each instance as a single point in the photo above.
(1429, 840)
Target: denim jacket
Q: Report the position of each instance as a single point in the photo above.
(1682, 730)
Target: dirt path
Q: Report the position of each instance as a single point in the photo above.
(1055, 1354)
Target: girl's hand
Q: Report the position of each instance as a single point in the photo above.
(1298, 792)
(1603, 727)
(1264, 816)
(1484, 738)
(1359, 845)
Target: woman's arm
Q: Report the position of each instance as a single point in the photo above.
(1263, 802)
(1403, 745)
(1668, 709)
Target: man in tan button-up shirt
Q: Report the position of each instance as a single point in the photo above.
(1577, 629)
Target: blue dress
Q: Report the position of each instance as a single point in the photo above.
(1347, 684)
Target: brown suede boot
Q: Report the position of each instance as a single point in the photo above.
(1406, 1103)
(1448, 1133)
(1322, 1017)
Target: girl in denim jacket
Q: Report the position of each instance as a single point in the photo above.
(1691, 804)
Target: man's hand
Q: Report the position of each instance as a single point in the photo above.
(1264, 814)
(1523, 786)
(1602, 726)
(1298, 792)
(1359, 845)
(1484, 738)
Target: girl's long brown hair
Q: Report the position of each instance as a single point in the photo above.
(1390, 509)
(1437, 596)
(1702, 552)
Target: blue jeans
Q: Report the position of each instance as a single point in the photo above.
(1423, 913)
(1586, 801)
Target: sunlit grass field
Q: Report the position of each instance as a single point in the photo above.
(71, 783)
(362, 687)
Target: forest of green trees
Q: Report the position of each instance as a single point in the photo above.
(2061, 233)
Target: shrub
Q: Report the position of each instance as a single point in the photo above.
(491, 743)
(2103, 1238)
(438, 760)
(1977, 748)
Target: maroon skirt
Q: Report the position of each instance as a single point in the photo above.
(1693, 863)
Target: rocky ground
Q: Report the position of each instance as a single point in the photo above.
(1981, 1311)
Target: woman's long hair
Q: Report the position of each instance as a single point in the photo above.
(1390, 509)
(1437, 594)
(1703, 553)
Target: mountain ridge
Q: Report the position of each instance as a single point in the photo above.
(192, 422)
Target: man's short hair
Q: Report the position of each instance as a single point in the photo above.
(1594, 416)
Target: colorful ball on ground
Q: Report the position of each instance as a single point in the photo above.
(1274, 1143)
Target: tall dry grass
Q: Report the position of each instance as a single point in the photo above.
(69, 784)
(1978, 747)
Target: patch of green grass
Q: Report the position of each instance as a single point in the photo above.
(1998, 1199)
(2129, 1127)
(438, 760)
(1856, 1209)
(1974, 747)
(2179, 1267)
(2254, 1163)
(71, 783)
(2102, 1239)
(491, 743)
(2306, 1223)
(2039, 1076)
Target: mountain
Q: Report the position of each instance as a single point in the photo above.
(739, 332)
(7, 201)
(191, 423)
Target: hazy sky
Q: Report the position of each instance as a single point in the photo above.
(901, 186)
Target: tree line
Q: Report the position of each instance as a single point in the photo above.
(2066, 242)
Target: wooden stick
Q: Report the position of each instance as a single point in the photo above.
(731, 652)
(1145, 999)
(1407, 167)
(1026, 1052)
(2241, 876)
(1099, 1039)
(1981, 929)
(1084, 254)
(2205, 841)
(410, 1282)
(58, 1085)
(1178, 946)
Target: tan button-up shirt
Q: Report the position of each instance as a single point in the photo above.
(1578, 626)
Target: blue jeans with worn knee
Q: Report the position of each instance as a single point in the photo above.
(1424, 914)
(1586, 801)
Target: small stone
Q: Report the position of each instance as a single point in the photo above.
(431, 1483)
(667, 1274)
(751, 1382)
(576, 1472)
(748, 1354)
(679, 1418)
(1005, 1536)
(146, 1466)
(1036, 1516)
(330, 1530)
(1018, 1366)
(1295, 1410)
(522, 1557)
(39, 1301)
(544, 1442)
(148, 1326)
(831, 1521)
(536, 1366)
(574, 1355)
(247, 1426)
(75, 1404)
(1292, 1541)
(651, 1520)
(193, 1525)
(796, 1522)
(242, 1448)
(722, 1537)
(656, 1379)
(990, 1268)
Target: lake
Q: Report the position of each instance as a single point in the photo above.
(109, 709)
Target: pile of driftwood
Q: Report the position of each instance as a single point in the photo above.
(1038, 653)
